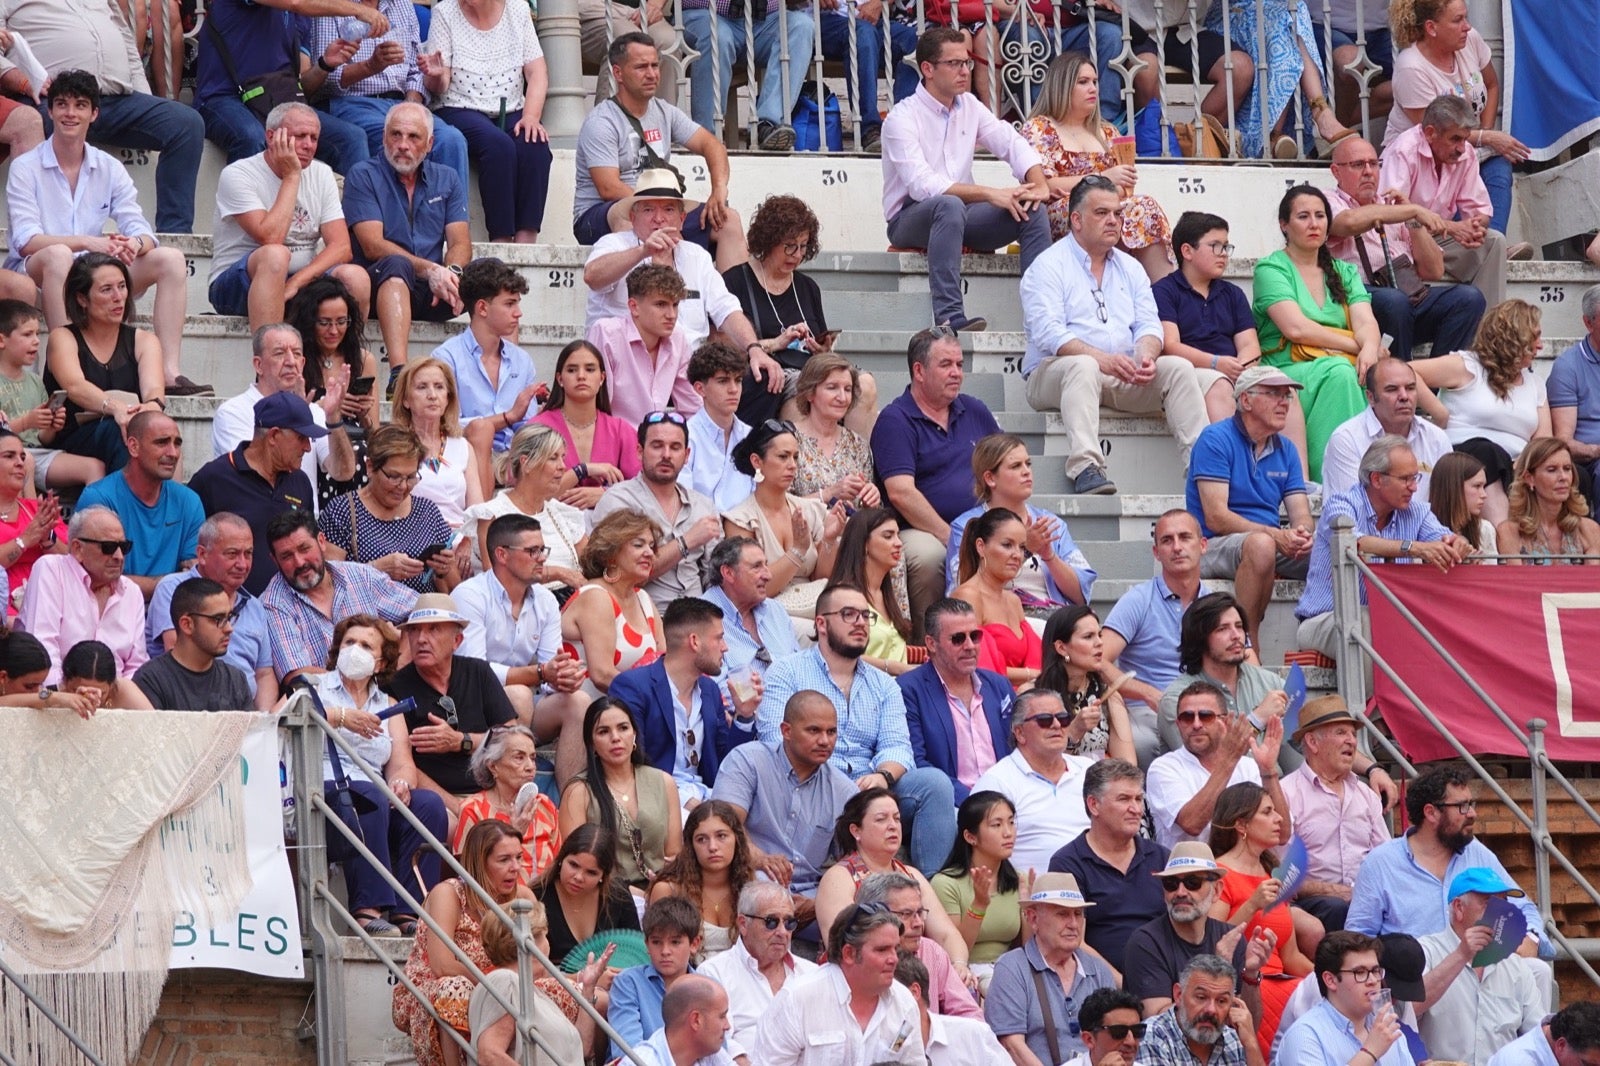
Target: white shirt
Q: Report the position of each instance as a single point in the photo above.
(1341, 463)
(1477, 1016)
(1059, 304)
(962, 1042)
(235, 422)
(493, 635)
(708, 301)
(749, 994)
(39, 201)
(250, 185)
(655, 1052)
(710, 470)
(1530, 1049)
(1049, 815)
(1173, 780)
(810, 1024)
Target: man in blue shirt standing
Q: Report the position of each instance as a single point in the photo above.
(1391, 523)
(161, 516)
(1241, 472)
(408, 220)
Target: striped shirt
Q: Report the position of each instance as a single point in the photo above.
(301, 634)
(872, 718)
(1414, 523)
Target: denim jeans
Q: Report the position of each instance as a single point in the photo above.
(1108, 44)
(928, 805)
(369, 112)
(1496, 174)
(234, 128)
(712, 74)
(903, 43)
(142, 121)
(393, 841)
(869, 60)
(1447, 317)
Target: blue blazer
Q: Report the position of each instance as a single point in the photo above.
(933, 733)
(647, 692)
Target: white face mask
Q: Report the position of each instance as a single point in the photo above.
(356, 662)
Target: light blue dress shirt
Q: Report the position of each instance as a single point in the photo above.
(1414, 523)
(1059, 303)
(493, 635)
(1394, 894)
(480, 399)
(711, 471)
(1324, 1037)
(872, 719)
(41, 201)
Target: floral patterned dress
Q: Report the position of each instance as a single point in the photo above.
(1143, 221)
(449, 994)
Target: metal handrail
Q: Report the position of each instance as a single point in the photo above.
(314, 816)
(49, 1015)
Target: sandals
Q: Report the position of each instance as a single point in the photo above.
(376, 925)
(404, 924)
(1339, 133)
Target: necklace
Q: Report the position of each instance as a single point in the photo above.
(583, 425)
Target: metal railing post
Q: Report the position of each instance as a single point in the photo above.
(520, 909)
(1351, 673)
(1543, 844)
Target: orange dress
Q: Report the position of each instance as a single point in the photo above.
(1276, 985)
(449, 994)
(539, 841)
(1002, 647)
(1143, 221)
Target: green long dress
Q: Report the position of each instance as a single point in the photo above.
(1332, 394)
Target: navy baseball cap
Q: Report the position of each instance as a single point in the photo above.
(285, 410)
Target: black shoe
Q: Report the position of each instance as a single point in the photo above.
(394, 376)
(963, 324)
(772, 137)
(872, 139)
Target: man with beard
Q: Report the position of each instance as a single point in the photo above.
(193, 676)
(1401, 886)
(408, 217)
(683, 727)
(1219, 749)
(689, 520)
(1346, 1026)
(1160, 950)
(1207, 1025)
(309, 594)
(1335, 814)
(874, 746)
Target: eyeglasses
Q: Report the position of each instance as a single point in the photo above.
(655, 418)
(914, 912)
(1281, 393)
(1100, 305)
(333, 323)
(1363, 974)
(448, 706)
(401, 479)
(1120, 1032)
(961, 637)
(1043, 721)
(1410, 479)
(959, 64)
(539, 552)
(224, 620)
(763, 656)
(1197, 716)
(110, 547)
(772, 921)
(1359, 164)
(853, 615)
(1193, 882)
(1222, 248)
(795, 247)
(1461, 806)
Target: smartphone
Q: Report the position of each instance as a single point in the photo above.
(362, 386)
(58, 399)
(429, 552)
(829, 337)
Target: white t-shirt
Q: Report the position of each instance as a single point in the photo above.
(1475, 411)
(250, 185)
(1176, 778)
(1417, 82)
(708, 301)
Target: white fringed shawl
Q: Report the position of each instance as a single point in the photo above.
(100, 821)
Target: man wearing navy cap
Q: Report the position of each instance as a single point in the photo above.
(1470, 1011)
(262, 478)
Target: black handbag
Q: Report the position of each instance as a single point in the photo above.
(265, 91)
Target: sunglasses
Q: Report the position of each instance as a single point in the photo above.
(1120, 1032)
(1197, 716)
(655, 418)
(1193, 882)
(961, 637)
(693, 746)
(110, 547)
(448, 707)
(1043, 721)
(772, 921)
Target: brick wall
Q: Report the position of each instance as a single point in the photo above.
(224, 1018)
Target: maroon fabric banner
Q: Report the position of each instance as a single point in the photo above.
(1530, 636)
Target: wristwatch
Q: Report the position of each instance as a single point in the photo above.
(466, 743)
(1405, 548)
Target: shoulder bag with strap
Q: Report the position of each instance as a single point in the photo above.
(1397, 273)
(652, 159)
(1051, 1036)
(265, 91)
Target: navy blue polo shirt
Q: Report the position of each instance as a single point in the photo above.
(228, 483)
(373, 193)
(1205, 322)
(906, 441)
(1122, 901)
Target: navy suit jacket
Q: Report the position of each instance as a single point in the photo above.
(933, 733)
(647, 692)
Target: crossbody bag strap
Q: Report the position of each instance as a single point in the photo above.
(1050, 1034)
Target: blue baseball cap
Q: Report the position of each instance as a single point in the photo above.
(1481, 879)
(285, 410)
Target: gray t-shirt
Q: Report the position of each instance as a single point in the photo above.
(171, 686)
(608, 139)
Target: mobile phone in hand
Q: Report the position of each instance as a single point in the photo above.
(361, 386)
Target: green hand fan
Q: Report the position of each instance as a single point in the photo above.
(630, 950)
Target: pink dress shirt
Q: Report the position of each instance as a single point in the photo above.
(1345, 247)
(1408, 165)
(614, 442)
(1338, 830)
(59, 608)
(928, 147)
(946, 993)
(974, 744)
(639, 384)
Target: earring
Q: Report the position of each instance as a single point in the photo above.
(758, 477)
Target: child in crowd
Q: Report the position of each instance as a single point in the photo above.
(646, 352)
(716, 373)
(26, 407)
(672, 937)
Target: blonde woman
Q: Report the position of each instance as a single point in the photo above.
(1548, 514)
(426, 402)
(533, 469)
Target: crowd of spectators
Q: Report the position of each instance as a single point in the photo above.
(817, 678)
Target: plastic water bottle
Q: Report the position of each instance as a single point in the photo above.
(352, 29)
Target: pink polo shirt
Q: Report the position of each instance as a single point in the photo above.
(637, 383)
(1338, 830)
(1408, 165)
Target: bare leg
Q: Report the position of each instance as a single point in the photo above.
(71, 471)
(29, 489)
(521, 697)
(527, 236)
(269, 275)
(984, 47)
(1496, 508)
(165, 269)
(23, 129)
(1295, 430)
(480, 435)
(394, 319)
(1322, 116)
(1308, 932)
(15, 286)
(864, 415)
(729, 239)
(1216, 102)
(561, 716)
(1156, 260)
(48, 269)
(359, 282)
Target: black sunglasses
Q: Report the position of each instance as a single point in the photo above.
(1043, 721)
(1193, 882)
(772, 921)
(1120, 1032)
(961, 636)
(448, 706)
(110, 547)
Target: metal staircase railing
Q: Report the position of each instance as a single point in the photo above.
(1350, 570)
(8, 974)
(324, 917)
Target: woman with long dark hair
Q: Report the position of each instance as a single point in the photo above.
(992, 551)
(330, 331)
(710, 871)
(601, 448)
(1072, 666)
(978, 887)
(1315, 319)
(870, 559)
(580, 892)
(1458, 488)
